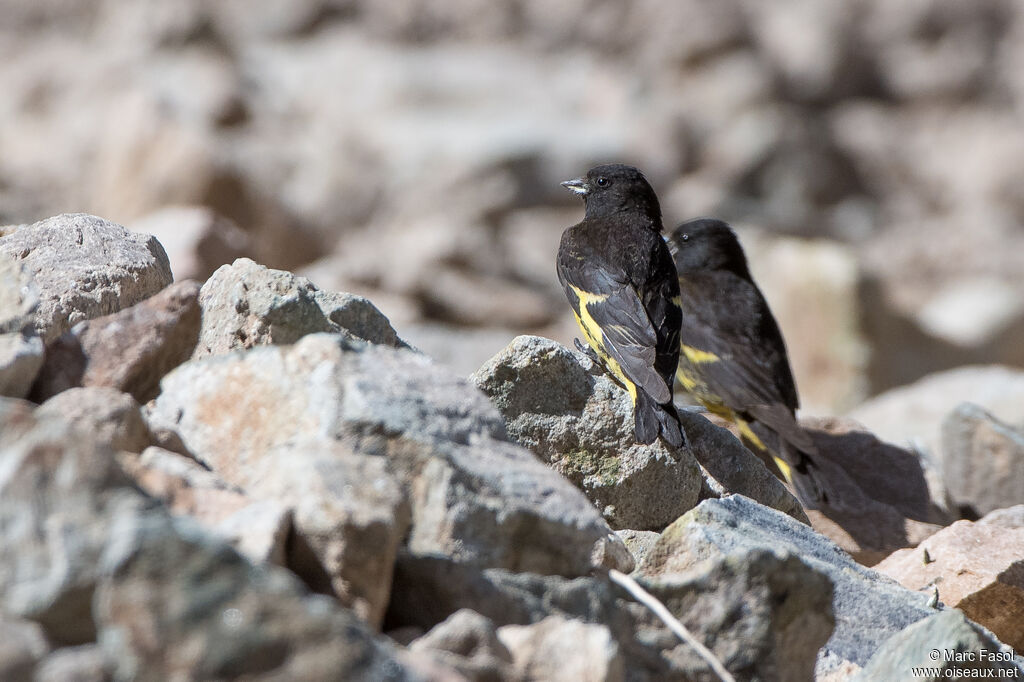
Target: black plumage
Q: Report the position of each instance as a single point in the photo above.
(620, 280)
(733, 358)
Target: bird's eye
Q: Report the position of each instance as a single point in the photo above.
(685, 237)
(602, 182)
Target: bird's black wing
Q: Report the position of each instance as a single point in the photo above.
(602, 297)
(732, 341)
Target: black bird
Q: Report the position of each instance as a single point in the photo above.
(732, 356)
(620, 280)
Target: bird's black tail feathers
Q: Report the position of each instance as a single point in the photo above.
(652, 419)
(807, 479)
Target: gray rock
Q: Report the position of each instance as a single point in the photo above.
(86, 663)
(557, 404)
(85, 267)
(764, 615)
(22, 646)
(21, 357)
(943, 646)
(469, 643)
(257, 529)
(60, 493)
(243, 620)
(559, 648)
(473, 495)
(246, 304)
(89, 558)
(868, 607)
(130, 350)
(728, 467)
(105, 415)
(428, 589)
(982, 460)
(21, 349)
(638, 542)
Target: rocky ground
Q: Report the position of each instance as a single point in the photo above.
(257, 478)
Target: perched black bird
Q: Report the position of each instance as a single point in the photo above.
(732, 357)
(619, 278)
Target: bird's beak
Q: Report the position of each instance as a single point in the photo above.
(578, 185)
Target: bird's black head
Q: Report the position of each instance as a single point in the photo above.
(707, 244)
(617, 188)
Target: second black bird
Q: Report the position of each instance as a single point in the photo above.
(733, 358)
(620, 280)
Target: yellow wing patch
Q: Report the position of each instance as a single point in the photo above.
(595, 338)
(698, 356)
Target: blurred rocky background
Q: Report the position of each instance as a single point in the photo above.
(868, 151)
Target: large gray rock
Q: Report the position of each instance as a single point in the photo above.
(105, 415)
(982, 460)
(88, 557)
(21, 349)
(868, 607)
(85, 663)
(764, 615)
(60, 494)
(473, 495)
(565, 410)
(85, 267)
(130, 350)
(246, 304)
(174, 599)
(943, 646)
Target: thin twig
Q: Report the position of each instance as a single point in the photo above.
(651, 602)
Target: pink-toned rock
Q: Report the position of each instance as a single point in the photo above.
(104, 415)
(130, 350)
(258, 529)
(977, 568)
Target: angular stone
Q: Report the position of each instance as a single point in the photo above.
(259, 530)
(763, 615)
(21, 357)
(559, 648)
(173, 599)
(638, 542)
(976, 567)
(246, 304)
(469, 643)
(868, 607)
(982, 460)
(85, 267)
(942, 646)
(568, 413)
(130, 350)
(106, 415)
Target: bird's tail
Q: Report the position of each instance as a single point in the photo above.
(652, 419)
(804, 475)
